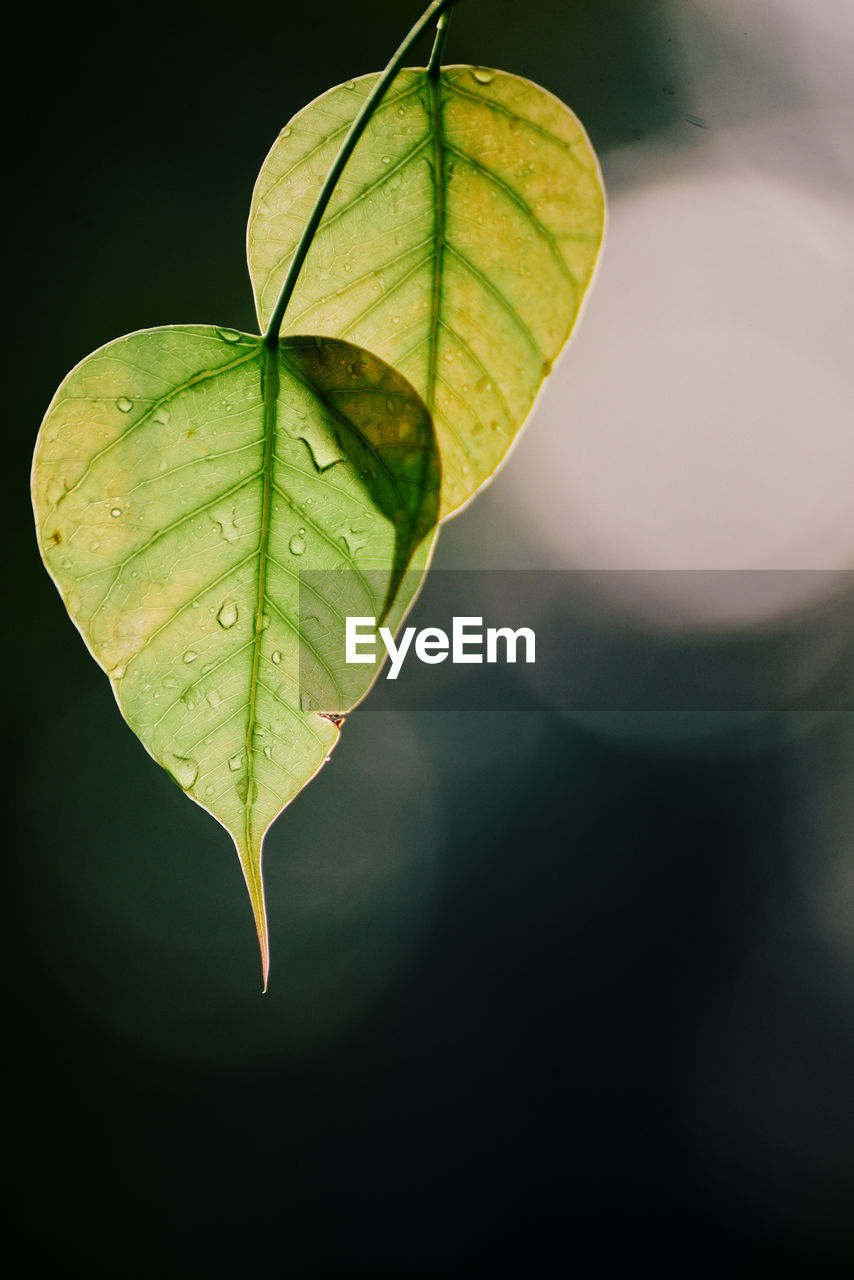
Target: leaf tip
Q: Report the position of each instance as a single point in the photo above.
(250, 863)
(263, 944)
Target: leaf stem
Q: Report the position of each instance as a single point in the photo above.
(435, 10)
(434, 66)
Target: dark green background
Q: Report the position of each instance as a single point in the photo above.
(501, 945)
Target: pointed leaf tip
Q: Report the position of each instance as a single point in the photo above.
(250, 864)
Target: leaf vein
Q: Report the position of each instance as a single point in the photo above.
(498, 108)
(490, 287)
(500, 185)
(158, 404)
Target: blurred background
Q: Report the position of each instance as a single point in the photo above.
(563, 992)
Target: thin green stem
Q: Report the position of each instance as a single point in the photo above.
(435, 10)
(434, 66)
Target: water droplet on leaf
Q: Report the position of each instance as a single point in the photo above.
(227, 526)
(227, 615)
(185, 772)
(325, 451)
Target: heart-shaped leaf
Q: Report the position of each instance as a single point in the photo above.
(183, 477)
(458, 244)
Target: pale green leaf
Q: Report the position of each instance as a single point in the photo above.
(183, 477)
(458, 244)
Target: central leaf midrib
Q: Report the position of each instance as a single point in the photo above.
(435, 111)
(269, 370)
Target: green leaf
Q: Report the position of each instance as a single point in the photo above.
(458, 244)
(183, 477)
